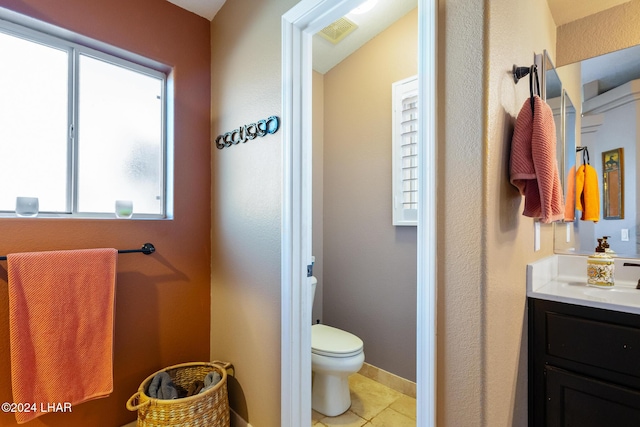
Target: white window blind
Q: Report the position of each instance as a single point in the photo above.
(405, 151)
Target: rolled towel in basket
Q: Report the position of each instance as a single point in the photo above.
(162, 387)
(211, 380)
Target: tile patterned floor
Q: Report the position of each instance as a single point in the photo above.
(372, 405)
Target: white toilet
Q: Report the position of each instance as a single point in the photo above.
(335, 354)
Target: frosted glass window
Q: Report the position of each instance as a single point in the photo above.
(80, 128)
(33, 123)
(120, 150)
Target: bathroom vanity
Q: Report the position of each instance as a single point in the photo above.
(584, 347)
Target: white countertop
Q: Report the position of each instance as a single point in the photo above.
(563, 278)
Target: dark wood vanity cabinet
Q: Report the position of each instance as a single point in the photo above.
(584, 366)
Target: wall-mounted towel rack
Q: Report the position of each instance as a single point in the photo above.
(146, 249)
(519, 72)
(532, 71)
(585, 154)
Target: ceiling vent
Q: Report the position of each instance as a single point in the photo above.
(338, 30)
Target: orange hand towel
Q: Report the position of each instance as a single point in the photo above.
(588, 193)
(61, 310)
(534, 167)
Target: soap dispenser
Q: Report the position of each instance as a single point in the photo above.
(605, 244)
(600, 266)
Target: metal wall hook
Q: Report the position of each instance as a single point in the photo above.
(520, 72)
(585, 154)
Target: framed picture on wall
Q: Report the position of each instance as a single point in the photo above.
(613, 184)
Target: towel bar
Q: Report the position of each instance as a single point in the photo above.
(146, 249)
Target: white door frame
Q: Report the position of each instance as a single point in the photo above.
(298, 26)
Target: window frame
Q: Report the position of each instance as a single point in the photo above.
(401, 90)
(75, 45)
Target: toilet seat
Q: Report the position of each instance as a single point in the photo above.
(334, 342)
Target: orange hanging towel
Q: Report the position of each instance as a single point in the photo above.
(61, 312)
(587, 193)
(534, 167)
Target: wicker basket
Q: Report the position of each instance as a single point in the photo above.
(207, 409)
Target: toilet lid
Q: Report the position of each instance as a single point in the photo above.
(329, 341)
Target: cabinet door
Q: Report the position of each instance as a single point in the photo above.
(578, 401)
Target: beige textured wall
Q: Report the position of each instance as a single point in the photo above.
(484, 241)
(516, 29)
(369, 284)
(460, 212)
(245, 216)
(612, 29)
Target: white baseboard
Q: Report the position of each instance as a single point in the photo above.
(236, 421)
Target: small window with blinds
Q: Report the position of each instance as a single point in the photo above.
(405, 151)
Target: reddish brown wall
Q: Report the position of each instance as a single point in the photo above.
(163, 300)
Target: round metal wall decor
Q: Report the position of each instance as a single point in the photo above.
(248, 132)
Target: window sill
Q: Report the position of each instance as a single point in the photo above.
(107, 216)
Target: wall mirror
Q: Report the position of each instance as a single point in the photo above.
(552, 94)
(608, 110)
(568, 140)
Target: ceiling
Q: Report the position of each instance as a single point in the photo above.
(326, 55)
(612, 70)
(205, 8)
(565, 11)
